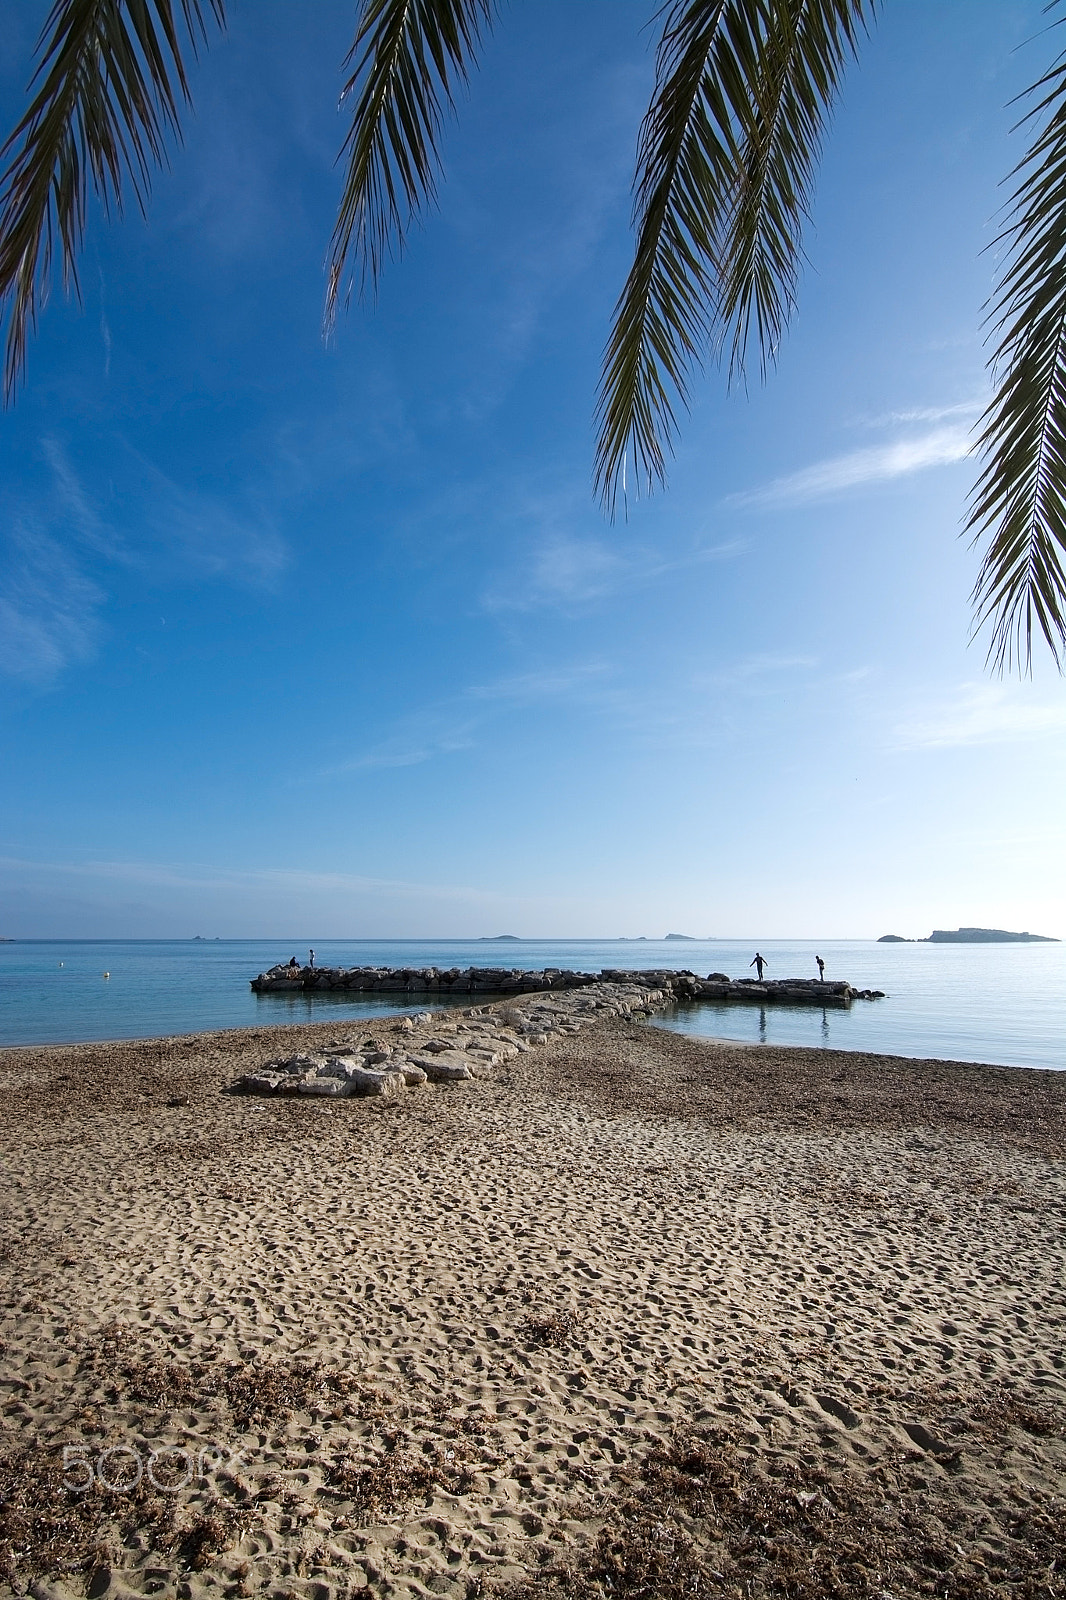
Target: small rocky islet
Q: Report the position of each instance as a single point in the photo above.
(971, 936)
(450, 1046)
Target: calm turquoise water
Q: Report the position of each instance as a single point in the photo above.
(997, 1003)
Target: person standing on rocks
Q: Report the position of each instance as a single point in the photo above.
(311, 955)
(758, 964)
(821, 969)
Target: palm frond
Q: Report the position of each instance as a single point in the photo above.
(111, 76)
(1020, 495)
(406, 61)
(725, 174)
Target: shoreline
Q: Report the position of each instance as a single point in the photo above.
(312, 1035)
(488, 1330)
(1003, 1006)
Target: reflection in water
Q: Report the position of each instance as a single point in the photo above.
(762, 1024)
(311, 1005)
(825, 1026)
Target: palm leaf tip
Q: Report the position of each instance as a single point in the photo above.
(109, 82)
(405, 65)
(725, 176)
(1018, 506)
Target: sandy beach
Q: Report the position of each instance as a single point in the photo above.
(637, 1314)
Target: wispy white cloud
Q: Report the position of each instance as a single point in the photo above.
(193, 534)
(196, 532)
(80, 515)
(561, 570)
(540, 254)
(759, 669)
(939, 447)
(894, 419)
(49, 608)
(566, 571)
(105, 326)
(458, 722)
(198, 877)
(979, 714)
(410, 746)
(59, 544)
(526, 688)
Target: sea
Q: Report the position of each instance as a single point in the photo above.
(1002, 1003)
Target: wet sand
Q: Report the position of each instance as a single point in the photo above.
(640, 1313)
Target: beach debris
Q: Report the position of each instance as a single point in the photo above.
(698, 1516)
(549, 1328)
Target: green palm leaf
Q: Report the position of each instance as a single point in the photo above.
(408, 57)
(726, 165)
(112, 78)
(1020, 496)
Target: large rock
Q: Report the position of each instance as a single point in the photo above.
(384, 1082)
(327, 1088)
(444, 1066)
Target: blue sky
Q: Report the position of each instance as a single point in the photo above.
(334, 641)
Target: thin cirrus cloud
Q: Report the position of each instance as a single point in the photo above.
(50, 610)
(177, 529)
(527, 688)
(939, 447)
(455, 724)
(50, 606)
(977, 714)
(61, 544)
(565, 571)
(196, 876)
(895, 419)
(410, 749)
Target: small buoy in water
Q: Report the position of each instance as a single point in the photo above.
(107, 974)
(61, 963)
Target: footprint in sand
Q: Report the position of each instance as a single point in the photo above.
(837, 1408)
(928, 1441)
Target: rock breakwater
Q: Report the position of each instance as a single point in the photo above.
(450, 1046)
(513, 980)
(447, 1047)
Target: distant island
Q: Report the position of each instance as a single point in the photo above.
(500, 938)
(971, 936)
(687, 937)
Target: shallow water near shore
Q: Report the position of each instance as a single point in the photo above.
(1004, 1004)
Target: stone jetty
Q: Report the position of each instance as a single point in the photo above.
(404, 1053)
(434, 981)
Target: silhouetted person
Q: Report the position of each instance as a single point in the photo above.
(311, 953)
(293, 961)
(821, 969)
(758, 964)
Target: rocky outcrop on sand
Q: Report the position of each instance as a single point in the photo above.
(446, 1047)
(512, 980)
